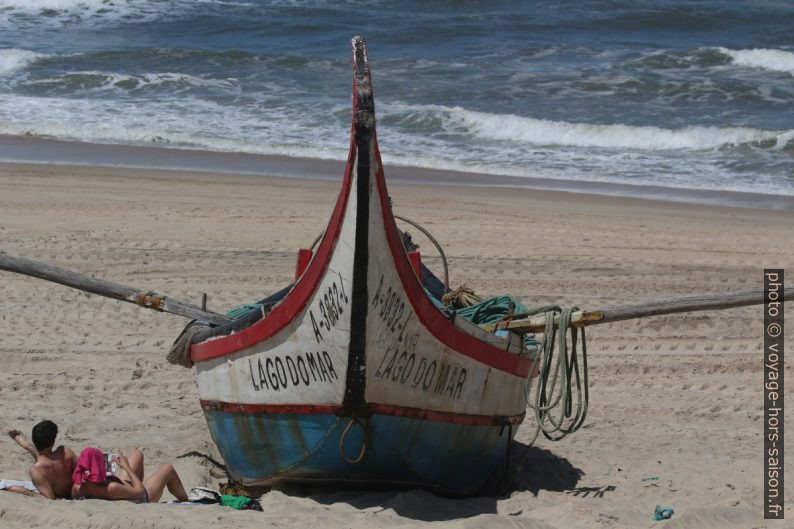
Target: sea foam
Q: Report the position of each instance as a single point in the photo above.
(766, 59)
(14, 59)
(69, 12)
(97, 80)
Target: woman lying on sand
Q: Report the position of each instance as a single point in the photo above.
(57, 473)
(91, 482)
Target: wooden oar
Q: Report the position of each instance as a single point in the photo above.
(149, 300)
(700, 302)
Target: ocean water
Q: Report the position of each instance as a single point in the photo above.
(683, 94)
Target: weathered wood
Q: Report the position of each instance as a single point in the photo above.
(108, 289)
(700, 302)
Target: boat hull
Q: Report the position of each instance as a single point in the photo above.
(267, 449)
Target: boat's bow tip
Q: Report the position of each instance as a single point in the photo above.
(363, 103)
(361, 75)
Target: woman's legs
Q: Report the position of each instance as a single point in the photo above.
(136, 464)
(165, 476)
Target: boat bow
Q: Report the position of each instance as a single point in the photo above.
(358, 340)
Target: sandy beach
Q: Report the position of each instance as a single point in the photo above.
(676, 404)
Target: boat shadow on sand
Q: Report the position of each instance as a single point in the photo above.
(542, 471)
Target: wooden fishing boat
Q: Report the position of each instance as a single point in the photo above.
(355, 374)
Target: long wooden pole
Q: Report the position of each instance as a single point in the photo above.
(700, 302)
(161, 303)
(149, 300)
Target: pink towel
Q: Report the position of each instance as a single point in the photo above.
(90, 467)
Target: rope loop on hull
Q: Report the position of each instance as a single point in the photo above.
(363, 451)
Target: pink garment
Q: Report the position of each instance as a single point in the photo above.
(90, 467)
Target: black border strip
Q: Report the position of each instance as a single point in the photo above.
(354, 402)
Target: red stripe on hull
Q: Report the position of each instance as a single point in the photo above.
(444, 416)
(378, 409)
(269, 409)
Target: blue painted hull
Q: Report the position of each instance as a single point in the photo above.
(264, 449)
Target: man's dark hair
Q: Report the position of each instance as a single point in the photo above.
(44, 435)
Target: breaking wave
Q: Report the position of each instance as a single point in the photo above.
(14, 59)
(766, 59)
(68, 12)
(541, 132)
(94, 80)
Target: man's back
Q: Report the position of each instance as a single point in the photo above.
(52, 473)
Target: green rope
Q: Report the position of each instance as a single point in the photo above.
(493, 310)
(490, 310)
(242, 310)
(552, 402)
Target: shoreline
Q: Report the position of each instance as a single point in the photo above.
(44, 151)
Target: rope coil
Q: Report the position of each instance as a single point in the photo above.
(552, 401)
(545, 401)
(461, 297)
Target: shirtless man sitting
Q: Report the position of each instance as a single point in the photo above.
(52, 471)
